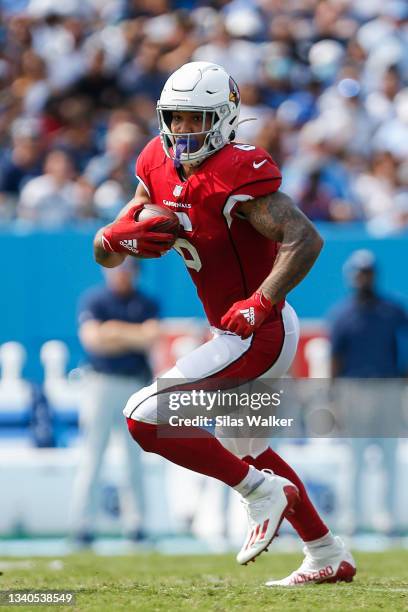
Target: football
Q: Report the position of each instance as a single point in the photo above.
(170, 224)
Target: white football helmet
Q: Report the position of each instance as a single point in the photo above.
(206, 88)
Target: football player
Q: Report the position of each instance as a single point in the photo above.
(245, 246)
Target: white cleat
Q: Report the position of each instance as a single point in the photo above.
(328, 564)
(266, 508)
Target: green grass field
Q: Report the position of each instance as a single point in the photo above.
(173, 583)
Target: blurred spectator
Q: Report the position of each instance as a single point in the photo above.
(380, 103)
(145, 8)
(392, 135)
(32, 86)
(99, 84)
(316, 177)
(59, 41)
(326, 57)
(395, 219)
(20, 164)
(365, 327)
(315, 200)
(118, 325)
(141, 75)
(376, 189)
(251, 107)
(327, 81)
(180, 44)
(18, 36)
(112, 175)
(340, 107)
(365, 334)
(52, 198)
(270, 138)
(392, 222)
(277, 67)
(240, 58)
(384, 42)
(72, 132)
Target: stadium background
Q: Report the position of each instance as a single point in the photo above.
(328, 82)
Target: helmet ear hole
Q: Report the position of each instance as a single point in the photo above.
(232, 135)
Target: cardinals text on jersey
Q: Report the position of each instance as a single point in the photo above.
(225, 256)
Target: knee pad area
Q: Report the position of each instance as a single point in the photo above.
(143, 401)
(241, 447)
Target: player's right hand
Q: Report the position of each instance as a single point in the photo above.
(136, 237)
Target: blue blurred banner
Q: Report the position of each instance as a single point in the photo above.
(44, 274)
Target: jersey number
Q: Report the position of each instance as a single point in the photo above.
(189, 253)
(184, 248)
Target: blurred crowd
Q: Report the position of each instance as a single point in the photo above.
(327, 81)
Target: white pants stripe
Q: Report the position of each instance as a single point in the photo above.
(214, 356)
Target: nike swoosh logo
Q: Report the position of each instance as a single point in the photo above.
(256, 166)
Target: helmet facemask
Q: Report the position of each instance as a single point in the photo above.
(184, 148)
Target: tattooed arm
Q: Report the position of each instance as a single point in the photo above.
(276, 217)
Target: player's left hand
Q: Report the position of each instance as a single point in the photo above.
(244, 317)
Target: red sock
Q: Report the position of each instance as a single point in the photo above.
(198, 450)
(305, 520)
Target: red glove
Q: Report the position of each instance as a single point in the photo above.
(244, 317)
(137, 237)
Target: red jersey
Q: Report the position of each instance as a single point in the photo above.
(225, 256)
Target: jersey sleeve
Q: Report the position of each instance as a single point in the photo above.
(256, 174)
(145, 163)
